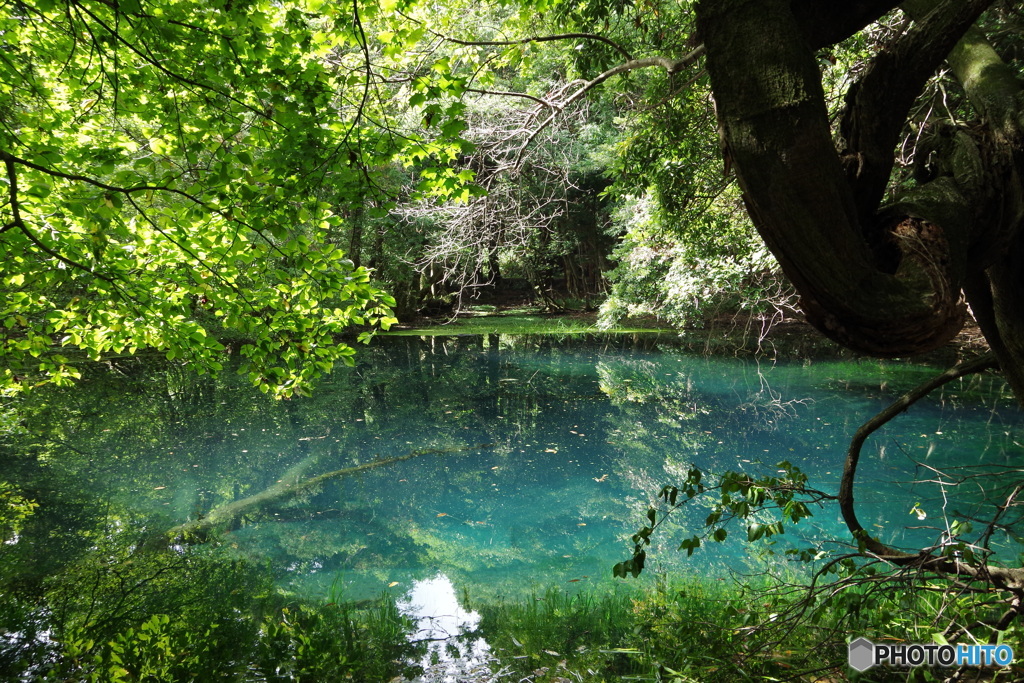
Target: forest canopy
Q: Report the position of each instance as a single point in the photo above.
(263, 178)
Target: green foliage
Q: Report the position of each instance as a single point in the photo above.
(129, 613)
(302, 643)
(718, 267)
(739, 497)
(15, 508)
(163, 166)
(155, 650)
(126, 610)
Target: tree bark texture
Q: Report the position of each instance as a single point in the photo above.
(887, 280)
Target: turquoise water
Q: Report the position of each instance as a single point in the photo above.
(541, 458)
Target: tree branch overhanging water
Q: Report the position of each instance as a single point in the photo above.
(1007, 578)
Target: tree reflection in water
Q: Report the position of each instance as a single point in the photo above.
(444, 625)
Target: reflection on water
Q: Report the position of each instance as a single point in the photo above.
(518, 463)
(440, 621)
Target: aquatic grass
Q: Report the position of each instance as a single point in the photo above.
(688, 631)
(523, 324)
(532, 520)
(335, 642)
(679, 630)
(774, 629)
(693, 630)
(558, 620)
(894, 608)
(556, 631)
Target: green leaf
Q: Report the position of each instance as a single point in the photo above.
(689, 545)
(39, 191)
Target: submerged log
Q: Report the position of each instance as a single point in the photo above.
(228, 516)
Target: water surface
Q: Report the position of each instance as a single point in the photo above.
(536, 459)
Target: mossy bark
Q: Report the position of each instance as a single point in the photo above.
(776, 133)
(993, 168)
(887, 280)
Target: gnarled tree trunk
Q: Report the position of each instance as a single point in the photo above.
(885, 279)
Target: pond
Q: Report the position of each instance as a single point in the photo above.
(518, 463)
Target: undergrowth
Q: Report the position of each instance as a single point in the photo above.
(696, 631)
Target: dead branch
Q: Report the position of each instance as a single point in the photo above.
(670, 65)
(537, 39)
(230, 514)
(926, 559)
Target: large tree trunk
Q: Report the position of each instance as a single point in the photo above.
(996, 293)
(885, 280)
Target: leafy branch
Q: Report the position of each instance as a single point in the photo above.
(738, 497)
(960, 565)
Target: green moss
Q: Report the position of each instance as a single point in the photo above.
(520, 323)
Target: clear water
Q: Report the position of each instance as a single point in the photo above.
(544, 456)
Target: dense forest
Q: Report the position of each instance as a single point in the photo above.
(282, 174)
(267, 185)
